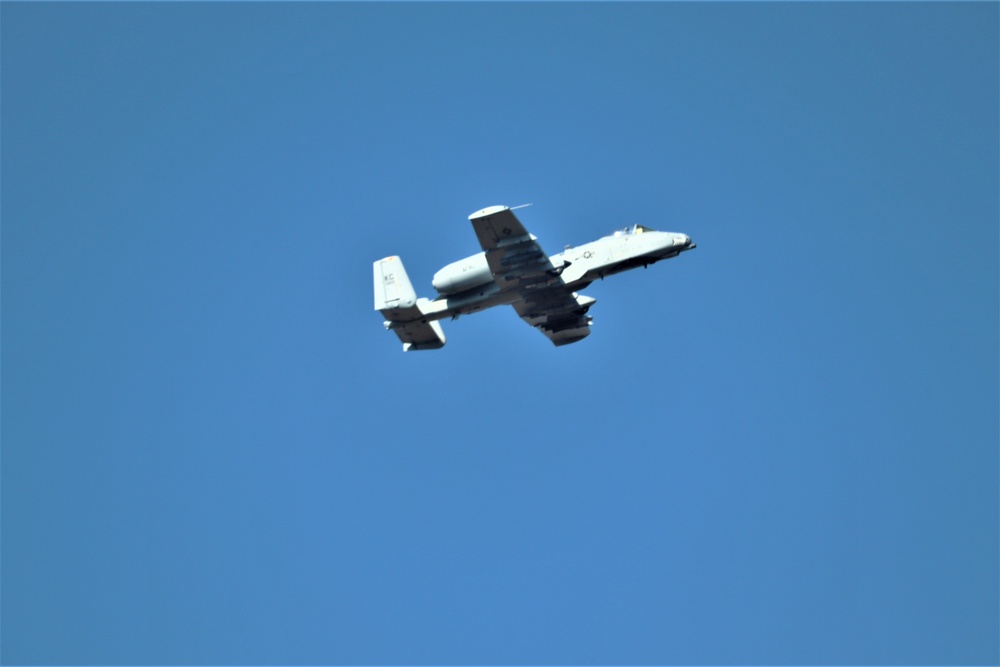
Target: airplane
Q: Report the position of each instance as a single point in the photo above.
(513, 270)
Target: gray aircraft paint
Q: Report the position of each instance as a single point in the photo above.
(513, 270)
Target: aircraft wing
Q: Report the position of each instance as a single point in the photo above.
(518, 263)
(497, 226)
(515, 258)
(557, 312)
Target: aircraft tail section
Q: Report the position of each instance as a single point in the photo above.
(393, 290)
(418, 334)
(405, 314)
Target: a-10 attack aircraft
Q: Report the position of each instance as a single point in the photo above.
(513, 270)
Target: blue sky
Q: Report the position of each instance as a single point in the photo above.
(781, 447)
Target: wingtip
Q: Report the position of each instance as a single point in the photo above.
(489, 210)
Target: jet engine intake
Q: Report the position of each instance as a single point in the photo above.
(463, 275)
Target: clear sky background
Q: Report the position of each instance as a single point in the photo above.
(781, 447)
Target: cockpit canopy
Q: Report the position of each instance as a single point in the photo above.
(634, 229)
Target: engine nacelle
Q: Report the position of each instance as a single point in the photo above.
(465, 274)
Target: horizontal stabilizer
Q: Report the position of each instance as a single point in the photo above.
(419, 335)
(405, 314)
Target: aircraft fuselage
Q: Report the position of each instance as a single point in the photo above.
(468, 285)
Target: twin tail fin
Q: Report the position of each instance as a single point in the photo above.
(396, 299)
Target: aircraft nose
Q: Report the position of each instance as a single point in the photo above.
(683, 240)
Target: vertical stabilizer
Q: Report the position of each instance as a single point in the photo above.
(396, 299)
(392, 286)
